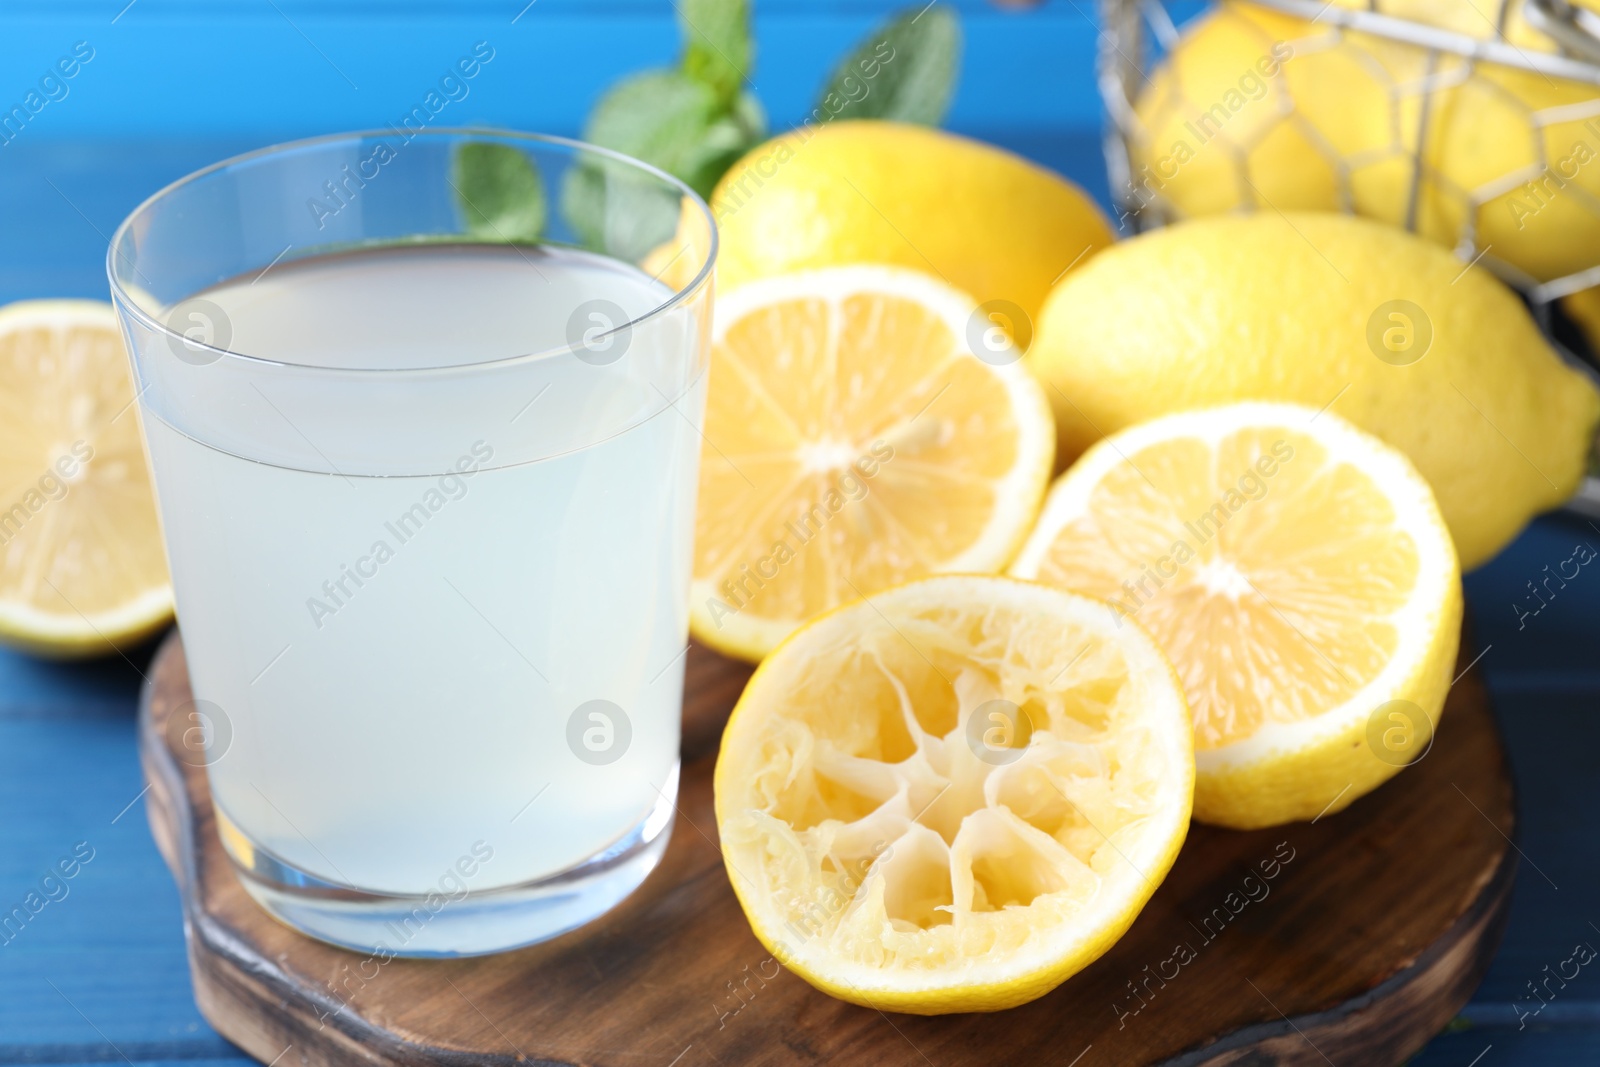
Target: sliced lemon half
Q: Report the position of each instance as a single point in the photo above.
(855, 440)
(1297, 572)
(82, 570)
(955, 794)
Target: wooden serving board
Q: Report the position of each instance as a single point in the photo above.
(1373, 928)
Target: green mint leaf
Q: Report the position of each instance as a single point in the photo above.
(676, 123)
(718, 50)
(906, 71)
(667, 119)
(614, 211)
(499, 192)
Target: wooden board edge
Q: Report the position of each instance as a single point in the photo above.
(1421, 999)
(233, 983)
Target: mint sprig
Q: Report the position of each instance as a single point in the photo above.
(695, 120)
(499, 191)
(673, 121)
(905, 71)
(718, 49)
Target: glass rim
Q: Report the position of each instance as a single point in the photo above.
(680, 295)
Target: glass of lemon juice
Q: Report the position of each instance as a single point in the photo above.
(425, 437)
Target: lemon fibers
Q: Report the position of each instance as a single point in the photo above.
(955, 795)
(984, 220)
(81, 563)
(1298, 574)
(1441, 361)
(854, 442)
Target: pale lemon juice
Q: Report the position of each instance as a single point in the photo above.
(481, 662)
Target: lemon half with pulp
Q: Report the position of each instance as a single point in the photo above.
(82, 570)
(856, 438)
(1298, 574)
(955, 794)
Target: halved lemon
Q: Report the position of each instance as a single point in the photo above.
(855, 440)
(955, 794)
(81, 564)
(1298, 574)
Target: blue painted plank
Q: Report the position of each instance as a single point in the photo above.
(220, 1054)
(165, 69)
(106, 962)
(101, 944)
(1536, 641)
(1529, 1048)
(1545, 682)
(43, 687)
(1553, 739)
(74, 193)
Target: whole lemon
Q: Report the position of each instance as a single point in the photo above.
(1513, 160)
(990, 223)
(1215, 126)
(1256, 109)
(1338, 313)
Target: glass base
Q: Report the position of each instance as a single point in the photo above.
(430, 926)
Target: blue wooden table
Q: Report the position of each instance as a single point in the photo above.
(99, 974)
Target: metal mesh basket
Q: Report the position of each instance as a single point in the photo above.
(1421, 70)
(1478, 128)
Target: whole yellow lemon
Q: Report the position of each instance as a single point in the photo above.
(1338, 313)
(988, 222)
(1256, 109)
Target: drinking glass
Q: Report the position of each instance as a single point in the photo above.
(423, 421)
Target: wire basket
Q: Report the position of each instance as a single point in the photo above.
(1478, 128)
(1421, 70)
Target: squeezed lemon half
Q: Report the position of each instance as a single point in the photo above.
(955, 794)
